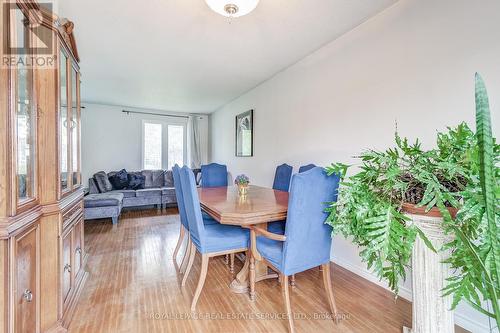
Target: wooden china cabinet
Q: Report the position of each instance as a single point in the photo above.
(42, 253)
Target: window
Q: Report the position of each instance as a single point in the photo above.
(164, 145)
(152, 146)
(175, 145)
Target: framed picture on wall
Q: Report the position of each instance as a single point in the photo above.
(244, 134)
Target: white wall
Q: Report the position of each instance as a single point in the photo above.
(112, 140)
(414, 63)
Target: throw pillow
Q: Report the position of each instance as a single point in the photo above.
(102, 181)
(136, 180)
(119, 180)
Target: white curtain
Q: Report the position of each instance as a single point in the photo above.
(194, 146)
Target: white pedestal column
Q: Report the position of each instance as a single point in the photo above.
(430, 310)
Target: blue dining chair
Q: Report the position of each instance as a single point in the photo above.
(282, 177)
(184, 229)
(210, 240)
(307, 167)
(281, 182)
(213, 175)
(307, 240)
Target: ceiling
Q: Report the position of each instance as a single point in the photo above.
(178, 55)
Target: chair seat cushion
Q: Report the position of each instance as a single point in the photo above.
(219, 237)
(148, 192)
(277, 227)
(271, 250)
(102, 200)
(126, 193)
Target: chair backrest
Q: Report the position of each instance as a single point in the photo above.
(192, 204)
(282, 177)
(179, 196)
(305, 168)
(213, 175)
(308, 238)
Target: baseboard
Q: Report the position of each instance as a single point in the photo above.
(367, 275)
(460, 319)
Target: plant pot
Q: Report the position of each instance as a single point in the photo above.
(243, 190)
(431, 312)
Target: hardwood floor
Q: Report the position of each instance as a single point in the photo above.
(134, 287)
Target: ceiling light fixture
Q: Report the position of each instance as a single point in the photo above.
(232, 8)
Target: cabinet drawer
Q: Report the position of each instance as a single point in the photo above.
(66, 265)
(26, 271)
(72, 214)
(78, 246)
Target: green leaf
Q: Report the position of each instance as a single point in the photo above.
(425, 239)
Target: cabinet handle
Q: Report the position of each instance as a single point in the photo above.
(28, 295)
(78, 250)
(67, 267)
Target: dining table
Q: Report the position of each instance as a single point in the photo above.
(259, 206)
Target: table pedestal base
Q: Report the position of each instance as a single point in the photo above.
(240, 285)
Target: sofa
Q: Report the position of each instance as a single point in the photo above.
(107, 196)
(156, 187)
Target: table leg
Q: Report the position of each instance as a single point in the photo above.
(240, 284)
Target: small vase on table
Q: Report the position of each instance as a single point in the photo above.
(242, 182)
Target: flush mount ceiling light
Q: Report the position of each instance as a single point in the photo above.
(232, 8)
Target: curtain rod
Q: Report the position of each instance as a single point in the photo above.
(155, 114)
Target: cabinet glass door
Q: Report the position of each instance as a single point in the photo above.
(64, 121)
(25, 118)
(75, 127)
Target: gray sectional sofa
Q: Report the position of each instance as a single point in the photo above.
(104, 201)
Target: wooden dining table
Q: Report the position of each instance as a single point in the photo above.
(259, 206)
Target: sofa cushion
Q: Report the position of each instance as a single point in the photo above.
(102, 181)
(168, 179)
(148, 192)
(119, 179)
(168, 190)
(158, 177)
(102, 200)
(136, 180)
(126, 193)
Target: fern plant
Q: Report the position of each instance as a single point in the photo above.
(460, 173)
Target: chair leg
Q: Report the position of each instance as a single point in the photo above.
(179, 242)
(190, 263)
(292, 280)
(231, 262)
(201, 281)
(252, 277)
(286, 298)
(187, 253)
(329, 289)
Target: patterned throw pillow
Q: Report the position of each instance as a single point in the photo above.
(136, 180)
(103, 184)
(119, 180)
